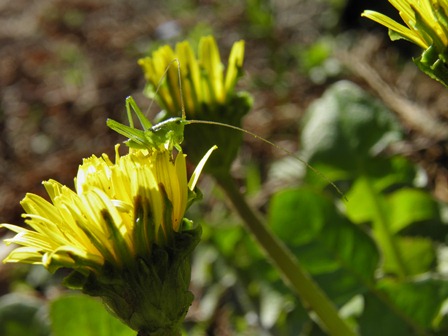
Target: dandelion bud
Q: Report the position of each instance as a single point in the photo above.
(204, 92)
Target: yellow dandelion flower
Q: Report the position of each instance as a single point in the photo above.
(425, 20)
(117, 212)
(123, 233)
(206, 90)
(426, 26)
(202, 78)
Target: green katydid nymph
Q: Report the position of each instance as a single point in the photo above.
(169, 133)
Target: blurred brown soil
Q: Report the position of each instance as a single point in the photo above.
(66, 66)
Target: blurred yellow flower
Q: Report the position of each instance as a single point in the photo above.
(201, 86)
(202, 79)
(118, 211)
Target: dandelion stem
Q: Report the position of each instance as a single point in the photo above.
(311, 295)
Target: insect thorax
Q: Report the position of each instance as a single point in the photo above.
(170, 131)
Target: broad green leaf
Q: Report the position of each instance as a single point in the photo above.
(389, 215)
(22, 315)
(402, 207)
(339, 254)
(402, 309)
(364, 201)
(76, 315)
(227, 238)
(418, 254)
(408, 206)
(379, 318)
(346, 127)
(441, 321)
(365, 205)
(298, 217)
(390, 172)
(420, 300)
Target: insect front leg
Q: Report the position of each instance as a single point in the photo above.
(174, 140)
(137, 138)
(131, 104)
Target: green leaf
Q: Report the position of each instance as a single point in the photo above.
(418, 254)
(297, 217)
(345, 128)
(339, 254)
(362, 206)
(76, 315)
(420, 300)
(402, 309)
(408, 206)
(22, 315)
(390, 214)
(403, 207)
(315, 55)
(227, 238)
(378, 318)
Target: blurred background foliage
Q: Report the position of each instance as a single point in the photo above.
(326, 84)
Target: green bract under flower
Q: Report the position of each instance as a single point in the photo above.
(118, 211)
(427, 26)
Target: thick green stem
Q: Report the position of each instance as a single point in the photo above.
(286, 263)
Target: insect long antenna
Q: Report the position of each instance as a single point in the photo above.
(182, 105)
(314, 170)
(159, 84)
